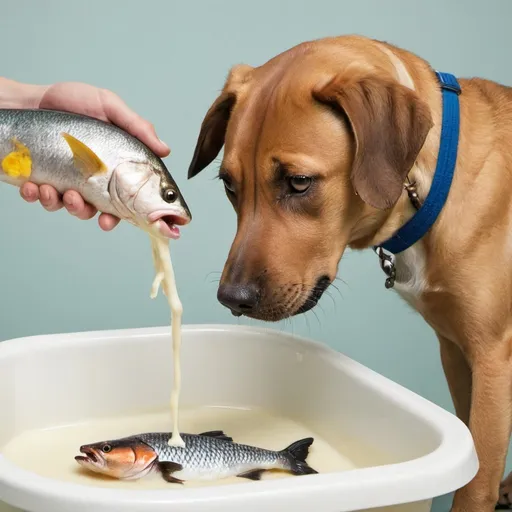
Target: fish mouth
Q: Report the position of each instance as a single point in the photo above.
(168, 223)
(90, 457)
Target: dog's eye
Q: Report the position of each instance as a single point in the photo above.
(229, 186)
(300, 183)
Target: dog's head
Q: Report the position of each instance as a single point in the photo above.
(316, 148)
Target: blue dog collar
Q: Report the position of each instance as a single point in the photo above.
(428, 213)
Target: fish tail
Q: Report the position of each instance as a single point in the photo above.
(296, 454)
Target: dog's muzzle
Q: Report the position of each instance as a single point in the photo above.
(315, 295)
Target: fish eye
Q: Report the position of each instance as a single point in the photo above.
(106, 448)
(300, 184)
(170, 195)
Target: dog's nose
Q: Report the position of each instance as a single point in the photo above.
(239, 298)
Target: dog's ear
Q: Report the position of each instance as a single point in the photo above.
(212, 133)
(389, 123)
(214, 126)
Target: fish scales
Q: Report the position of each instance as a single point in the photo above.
(34, 129)
(209, 452)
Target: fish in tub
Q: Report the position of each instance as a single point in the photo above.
(206, 456)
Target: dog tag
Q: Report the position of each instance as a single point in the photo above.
(388, 266)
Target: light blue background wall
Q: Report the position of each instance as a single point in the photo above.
(168, 60)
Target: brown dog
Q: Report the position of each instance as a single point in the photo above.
(320, 145)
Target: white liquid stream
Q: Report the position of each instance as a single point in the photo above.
(165, 277)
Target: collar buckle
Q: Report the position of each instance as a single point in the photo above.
(448, 82)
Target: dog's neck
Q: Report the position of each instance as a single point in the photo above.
(410, 266)
(374, 227)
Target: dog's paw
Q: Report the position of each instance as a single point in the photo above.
(505, 499)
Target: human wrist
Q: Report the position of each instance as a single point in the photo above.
(18, 95)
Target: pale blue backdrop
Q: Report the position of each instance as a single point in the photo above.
(168, 60)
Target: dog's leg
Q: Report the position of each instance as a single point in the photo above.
(490, 424)
(505, 500)
(458, 376)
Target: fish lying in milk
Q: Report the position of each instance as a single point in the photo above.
(206, 456)
(112, 170)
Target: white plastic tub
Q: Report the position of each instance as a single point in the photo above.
(55, 380)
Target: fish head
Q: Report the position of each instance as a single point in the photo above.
(146, 194)
(123, 459)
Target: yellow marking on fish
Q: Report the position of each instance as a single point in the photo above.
(18, 162)
(85, 159)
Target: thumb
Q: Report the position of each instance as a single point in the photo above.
(118, 113)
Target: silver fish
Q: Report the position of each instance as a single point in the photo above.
(207, 456)
(112, 170)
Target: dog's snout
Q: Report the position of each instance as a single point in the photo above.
(240, 298)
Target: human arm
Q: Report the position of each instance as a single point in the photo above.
(84, 99)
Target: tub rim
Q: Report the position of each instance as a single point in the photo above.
(450, 466)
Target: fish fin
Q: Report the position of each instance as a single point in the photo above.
(217, 434)
(254, 474)
(297, 454)
(85, 159)
(299, 450)
(18, 163)
(167, 469)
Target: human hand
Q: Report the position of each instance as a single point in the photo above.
(102, 104)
